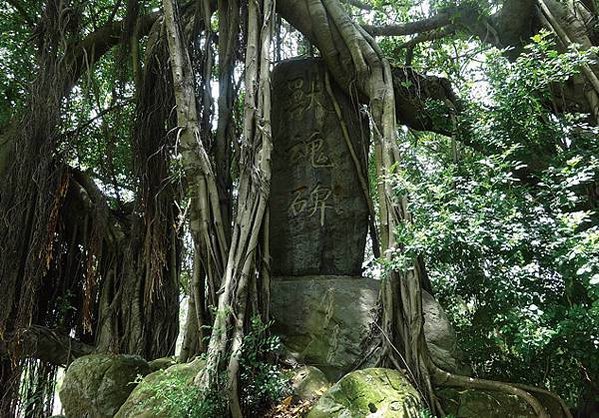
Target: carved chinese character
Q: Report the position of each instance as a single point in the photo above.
(318, 200)
(302, 99)
(299, 202)
(311, 150)
(318, 158)
(313, 203)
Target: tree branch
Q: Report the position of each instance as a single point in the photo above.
(84, 54)
(512, 25)
(429, 36)
(410, 28)
(413, 92)
(48, 345)
(359, 4)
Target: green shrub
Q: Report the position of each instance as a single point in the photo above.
(261, 381)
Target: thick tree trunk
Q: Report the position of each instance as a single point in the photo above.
(254, 184)
(62, 245)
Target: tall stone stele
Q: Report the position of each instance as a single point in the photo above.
(319, 214)
(319, 218)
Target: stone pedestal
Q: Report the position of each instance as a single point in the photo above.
(322, 321)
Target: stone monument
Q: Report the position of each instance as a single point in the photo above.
(319, 215)
(319, 218)
(322, 306)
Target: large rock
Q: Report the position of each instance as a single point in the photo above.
(441, 338)
(308, 382)
(323, 319)
(470, 403)
(151, 397)
(95, 386)
(319, 215)
(369, 393)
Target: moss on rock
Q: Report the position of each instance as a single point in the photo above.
(164, 393)
(472, 403)
(95, 386)
(308, 382)
(369, 393)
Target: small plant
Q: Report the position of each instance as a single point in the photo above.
(261, 382)
(175, 396)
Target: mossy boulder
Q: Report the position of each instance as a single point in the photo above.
(95, 386)
(472, 403)
(308, 382)
(161, 393)
(441, 338)
(162, 363)
(369, 393)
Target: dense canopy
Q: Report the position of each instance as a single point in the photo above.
(139, 144)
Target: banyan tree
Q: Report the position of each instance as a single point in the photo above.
(94, 248)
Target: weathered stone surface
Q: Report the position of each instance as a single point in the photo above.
(319, 215)
(95, 386)
(323, 319)
(440, 337)
(369, 393)
(471, 403)
(162, 363)
(308, 382)
(146, 401)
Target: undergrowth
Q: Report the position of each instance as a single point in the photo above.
(174, 395)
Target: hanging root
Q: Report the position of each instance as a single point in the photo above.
(238, 261)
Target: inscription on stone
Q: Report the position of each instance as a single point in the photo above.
(319, 217)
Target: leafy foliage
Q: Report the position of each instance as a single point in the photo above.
(509, 230)
(261, 381)
(174, 395)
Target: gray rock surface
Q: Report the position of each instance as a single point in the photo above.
(323, 319)
(441, 338)
(162, 363)
(95, 386)
(319, 216)
(308, 382)
(471, 403)
(369, 393)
